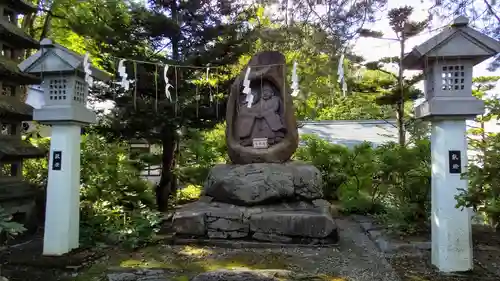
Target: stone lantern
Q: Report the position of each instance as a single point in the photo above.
(64, 107)
(447, 60)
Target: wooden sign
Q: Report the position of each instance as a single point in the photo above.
(56, 160)
(455, 161)
(260, 143)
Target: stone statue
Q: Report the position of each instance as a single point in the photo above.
(270, 117)
(263, 120)
(261, 195)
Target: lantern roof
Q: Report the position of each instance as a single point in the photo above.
(56, 59)
(457, 41)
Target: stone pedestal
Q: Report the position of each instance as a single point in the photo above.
(265, 202)
(451, 227)
(62, 215)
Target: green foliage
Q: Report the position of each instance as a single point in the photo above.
(483, 171)
(483, 193)
(389, 179)
(406, 174)
(358, 106)
(9, 228)
(200, 151)
(36, 170)
(188, 194)
(115, 202)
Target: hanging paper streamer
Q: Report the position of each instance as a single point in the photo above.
(135, 84)
(340, 73)
(125, 83)
(295, 81)
(197, 97)
(167, 83)
(176, 92)
(246, 89)
(208, 82)
(88, 72)
(156, 87)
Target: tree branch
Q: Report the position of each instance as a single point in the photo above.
(492, 11)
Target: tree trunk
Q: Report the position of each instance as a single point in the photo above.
(400, 105)
(167, 184)
(164, 187)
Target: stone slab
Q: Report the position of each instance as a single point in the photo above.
(291, 223)
(301, 222)
(234, 275)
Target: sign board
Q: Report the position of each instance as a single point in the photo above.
(56, 160)
(455, 161)
(260, 143)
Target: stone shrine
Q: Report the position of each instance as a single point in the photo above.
(262, 195)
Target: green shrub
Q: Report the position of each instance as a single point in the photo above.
(483, 193)
(405, 173)
(9, 228)
(36, 170)
(201, 150)
(347, 173)
(388, 179)
(116, 202)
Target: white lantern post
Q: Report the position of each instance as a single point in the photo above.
(447, 60)
(64, 107)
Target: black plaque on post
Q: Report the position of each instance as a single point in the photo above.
(455, 161)
(56, 160)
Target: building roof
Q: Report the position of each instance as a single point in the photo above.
(455, 41)
(352, 132)
(10, 72)
(12, 107)
(14, 148)
(15, 36)
(20, 6)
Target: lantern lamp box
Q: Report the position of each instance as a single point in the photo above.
(447, 60)
(64, 88)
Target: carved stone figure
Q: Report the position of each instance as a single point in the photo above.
(263, 119)
(271, 115)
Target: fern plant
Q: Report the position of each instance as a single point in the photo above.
(9, 228)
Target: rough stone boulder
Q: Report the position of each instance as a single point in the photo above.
(263, 183)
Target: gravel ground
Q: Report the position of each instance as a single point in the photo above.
(355, 259)
(418, 267)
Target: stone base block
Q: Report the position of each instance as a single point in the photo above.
(296, 222)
